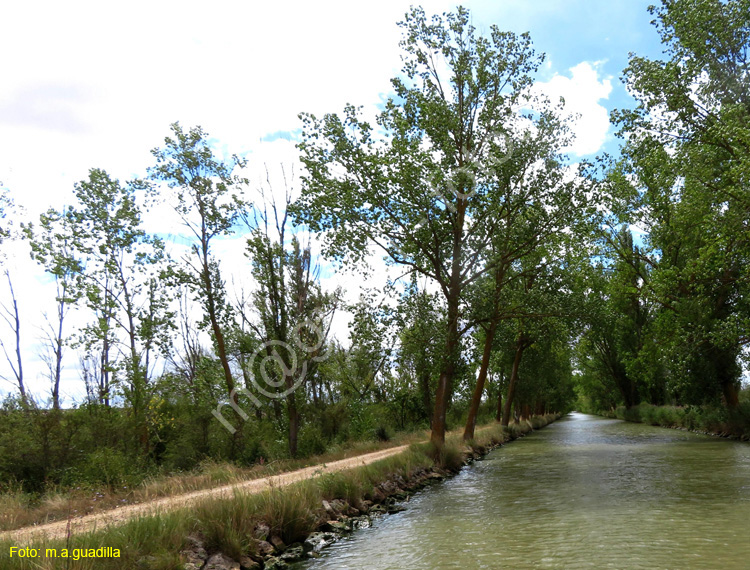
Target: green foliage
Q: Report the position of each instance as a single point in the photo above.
(6, 204)
(111, 468)
(207, 201)
(311, 440)
(683, 178)
(362, 420)
(716, 420)
(439, 185)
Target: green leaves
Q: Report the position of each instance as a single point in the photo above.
(206, 187)
(208, 202)
(684, 177)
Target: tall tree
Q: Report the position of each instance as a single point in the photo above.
(294, 312)
(121, 267)
(427, 192)
(208, 203)
(52, 247)
(545, 225)
(10, 313)
(684, 177)
(12, 318)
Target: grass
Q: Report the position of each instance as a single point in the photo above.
(19, 509)
(228, 525)
(704, 419)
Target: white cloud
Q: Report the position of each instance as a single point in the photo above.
(582, 92)
(91, 84)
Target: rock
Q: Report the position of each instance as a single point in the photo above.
(377, 495)
(221, 562)
(194, 558)
(274, 563)
(278, 544)
(339, 506)
(328, 508)
(293, 554)
(365, 506)
(247, 563)
(195, 540)
(339, 527)
(394, 508)
(263, 548)
(389, 487)
(318, 540)
(191, 566)
(363, 522)
(195, 555)
(261, 531)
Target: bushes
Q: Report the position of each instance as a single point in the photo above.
(311, 440)
(657, 416)
(708, 419)
(111, 468)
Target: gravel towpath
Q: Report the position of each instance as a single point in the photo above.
(87, 523)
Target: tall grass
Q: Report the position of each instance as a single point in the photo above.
(705, 419)
(228, 525)
(19, 509)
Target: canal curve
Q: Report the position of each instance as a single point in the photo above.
(584, 492)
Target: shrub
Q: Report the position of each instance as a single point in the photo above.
(110, 467)
(381, 433)
(311, 441)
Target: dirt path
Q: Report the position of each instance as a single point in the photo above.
(87, 523)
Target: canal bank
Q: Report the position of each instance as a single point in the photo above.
(345, 502)
(718, 421)
(245, 529)
(585, 492)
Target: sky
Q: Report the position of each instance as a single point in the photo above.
(97, 84)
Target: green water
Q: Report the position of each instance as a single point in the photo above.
(584, 492)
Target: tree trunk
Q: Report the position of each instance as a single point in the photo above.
(476, 399)
(293, 424)
(525, 412)
(499, 410)
(520, 347)
(58, 348)
(424, 385)
(727, 373)
(222, 350)
(212, 310)
(15, 324)
(442, 395)
(452, 343)
(731, 396)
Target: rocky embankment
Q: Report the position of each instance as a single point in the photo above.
(337, 518)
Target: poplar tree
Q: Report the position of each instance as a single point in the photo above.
(426, 184)
(208, 203)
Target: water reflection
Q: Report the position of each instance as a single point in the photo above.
(585, 492)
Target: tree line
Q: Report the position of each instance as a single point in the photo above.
(525, 289)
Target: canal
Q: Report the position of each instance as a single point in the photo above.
(584, 492)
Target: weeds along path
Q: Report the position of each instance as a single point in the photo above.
(88, 523)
